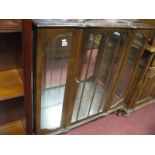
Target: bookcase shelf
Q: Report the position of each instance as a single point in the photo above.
(13, 128)
(10, 26)
(11, 85)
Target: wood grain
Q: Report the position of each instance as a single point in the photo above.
(13, 128)
(27, 71)
(11, 85)
(11, 110)
(10, 26)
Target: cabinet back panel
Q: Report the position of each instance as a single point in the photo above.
(11, 110)
(10, 51)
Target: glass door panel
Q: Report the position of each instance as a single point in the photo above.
(86, 80)
(129, 69)
(56, 54)
(148, 79)
(109, 64)
(98, 69)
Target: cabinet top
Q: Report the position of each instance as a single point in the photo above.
(8, 25)
(107, 23)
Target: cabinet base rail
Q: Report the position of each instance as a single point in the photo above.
(125, 112)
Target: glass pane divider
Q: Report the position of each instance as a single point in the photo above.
(51, 65)
(79, 107)
(143, 77)
(124, 59)
(92, 99)
(112, 90)
(60, 80)
(141, 50)
(98, 71)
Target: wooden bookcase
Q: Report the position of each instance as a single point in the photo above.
(81, 70)
(13, 91)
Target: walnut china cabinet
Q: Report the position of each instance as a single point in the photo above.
(82, 70)
(86, 69)
(15, 77)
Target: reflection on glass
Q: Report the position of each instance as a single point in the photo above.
(85, 89)
(129, 68)
(148, 85)
(96, 76)
(109, 64)
(56, 56)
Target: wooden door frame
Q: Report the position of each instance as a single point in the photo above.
(73, 75)
(27, 65)
(131, 103)
(143, 81)
(121, 66)
(42, 35)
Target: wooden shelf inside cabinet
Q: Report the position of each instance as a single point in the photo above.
(148, 47)
(11, 85)
(13, 128)
(10, 26)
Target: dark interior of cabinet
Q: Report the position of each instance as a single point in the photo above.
(134, 85)
(133, 69)
(11, 81)
(148, 87)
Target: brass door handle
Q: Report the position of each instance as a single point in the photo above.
(77, 81)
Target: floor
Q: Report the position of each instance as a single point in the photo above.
(141, 122)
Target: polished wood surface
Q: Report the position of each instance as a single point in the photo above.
(27, 72)
(15, 76)
(11, 85)
(38, 77)
(13, 128)
(10, 26)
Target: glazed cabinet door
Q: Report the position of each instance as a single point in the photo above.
(147, 88)
(101, 61)
(135, 68)
(56, 54)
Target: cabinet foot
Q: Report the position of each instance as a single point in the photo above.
(122, 113)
